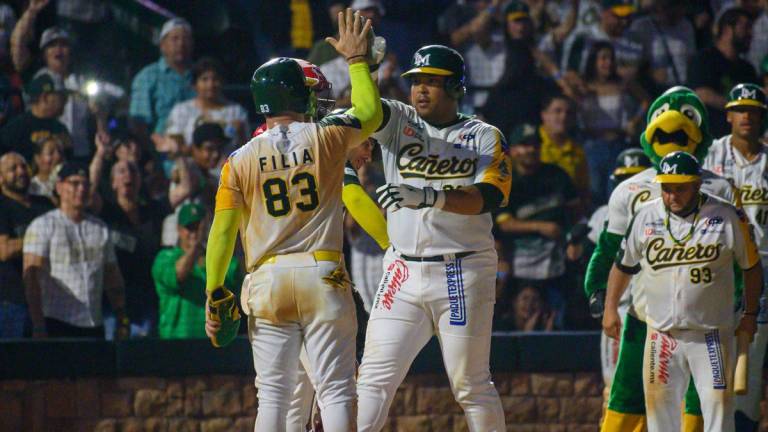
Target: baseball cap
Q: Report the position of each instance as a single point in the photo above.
(620, 8)
(51, 34)
(72, 168)
(678, 167)
(365, 4)
(173, 24)
(746, 94)
(44, 83)
(208, 132)
(516, 10)
(525, 134)
(191, 213)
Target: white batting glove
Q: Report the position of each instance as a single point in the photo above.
(403, 195)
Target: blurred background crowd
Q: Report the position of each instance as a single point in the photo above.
(120, 113)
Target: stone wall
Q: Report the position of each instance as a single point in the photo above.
(537, 402)
(218, 403)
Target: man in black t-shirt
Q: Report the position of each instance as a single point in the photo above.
(134, 225)
(717, 69)
(47, 98)
(17, 210)
(543, 204)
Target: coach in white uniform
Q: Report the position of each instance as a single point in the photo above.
(685, 244)
(743, 159)
(445, 172)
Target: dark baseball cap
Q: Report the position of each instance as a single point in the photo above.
(45, 83)
(190, 214)
(71, 168)
(208, 132)
(525, 134)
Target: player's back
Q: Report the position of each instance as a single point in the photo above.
(290, 178)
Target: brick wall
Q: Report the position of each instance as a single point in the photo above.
(218, 403)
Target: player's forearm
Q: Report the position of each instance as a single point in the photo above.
(366, 101)
(221, 245)
(366, 213)
(753, 287)
(600, 262)
(617, 284)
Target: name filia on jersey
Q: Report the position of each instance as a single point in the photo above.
(411, 164)
(284, 161)
(660, 255)
(750, 195)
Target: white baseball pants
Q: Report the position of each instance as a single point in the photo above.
(669, 360)
(290, 307)
(452, 299)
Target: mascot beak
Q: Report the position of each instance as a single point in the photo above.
(673, 131)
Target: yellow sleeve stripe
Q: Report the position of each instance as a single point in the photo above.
(498, 172)
(227, 197)
(753, 257)
(366, 213)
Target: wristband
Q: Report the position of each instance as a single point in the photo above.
(355, 56)
(440, 199)
(750, 313)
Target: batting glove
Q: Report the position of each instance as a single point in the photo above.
(403, 195)
(597, 304)
(222, 309)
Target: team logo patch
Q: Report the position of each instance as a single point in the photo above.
(717, 220)
(662, 348)
(408, 131)
(455, 283)
(715, 353)
(396, 274)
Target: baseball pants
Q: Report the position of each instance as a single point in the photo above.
(626, 404)
(297, 302)
(669, 360)
(303, 398)
(452, 299)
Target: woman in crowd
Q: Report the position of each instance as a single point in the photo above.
(611, 113)
(209, 106)
(48, 155)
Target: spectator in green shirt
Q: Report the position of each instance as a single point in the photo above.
(179, 275)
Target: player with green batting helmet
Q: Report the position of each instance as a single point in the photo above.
(678, 167)
(279, 86)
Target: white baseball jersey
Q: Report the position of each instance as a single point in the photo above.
(419, 154)
(750, 179)
(630, 194)
(688, 284)
(288, 183)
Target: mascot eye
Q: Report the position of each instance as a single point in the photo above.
(690, 112)
(659, 111)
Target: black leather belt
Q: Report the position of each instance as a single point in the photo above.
(436, 258)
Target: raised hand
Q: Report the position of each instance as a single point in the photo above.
(353, 36)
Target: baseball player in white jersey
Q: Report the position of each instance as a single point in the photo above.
(629, 162)
(685, 244)
(677, 120)
(743, 159)
(282, 191)
(444, 172)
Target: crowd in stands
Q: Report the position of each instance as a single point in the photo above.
(108, 186)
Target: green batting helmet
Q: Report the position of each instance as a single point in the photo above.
(630, 162)
(279, 85)
(443, 61)
(678, 167)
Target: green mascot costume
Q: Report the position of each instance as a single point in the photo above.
(677, 121)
